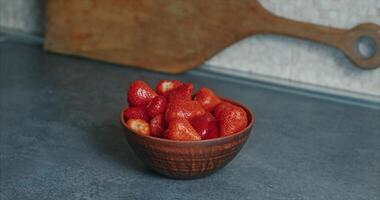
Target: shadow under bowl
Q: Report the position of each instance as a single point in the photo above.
(188, 159)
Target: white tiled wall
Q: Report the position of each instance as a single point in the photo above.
(292, 60)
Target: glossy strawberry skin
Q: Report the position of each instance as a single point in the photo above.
(156, 106)
(157, 125)
(213, 130)
(181, 129)
(207, 98)
(140, 93)
(221, 106)
(138, 126)
(200, 124)
(204, 124)
(138, 112)
(183, 92)
(183, 109)
(165, 86)
(232, 119)
(165, 134)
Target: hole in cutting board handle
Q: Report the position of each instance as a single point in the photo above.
(362, 45)
(366, 47)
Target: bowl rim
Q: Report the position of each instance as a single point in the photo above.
(219, 139)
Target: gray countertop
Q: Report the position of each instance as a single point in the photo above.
(61, 138)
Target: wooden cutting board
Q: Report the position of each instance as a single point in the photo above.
(177, 35)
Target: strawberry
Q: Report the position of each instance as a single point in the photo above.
(200, 124)
(213, 130)
(140, 93)
(138, 112)
(207, 98)
(156, 106)
(157, 125)
(165, 86)
(221, 107)
(165, 134)
(183, 92)
(232, 119)
(181, 129)
(205, 125)
(138, 126)
(183, 109)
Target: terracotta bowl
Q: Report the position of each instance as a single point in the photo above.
(188, 159)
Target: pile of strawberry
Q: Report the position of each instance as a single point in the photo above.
(173, 112)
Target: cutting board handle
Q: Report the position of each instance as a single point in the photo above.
(361, 44)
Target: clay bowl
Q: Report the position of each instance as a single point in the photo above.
(188, 159)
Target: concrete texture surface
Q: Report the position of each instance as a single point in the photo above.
(60, 138)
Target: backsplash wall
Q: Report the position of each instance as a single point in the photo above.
(288, 59)
(22, 15)
(301, 61)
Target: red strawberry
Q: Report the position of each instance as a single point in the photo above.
(165, 86)
(201, 124)
(232, 119)
(183, 92)
(213, 130)
(183, 109)
(156, 106)
(140, 93)
(209, 117)
(138, 112)
(165, 134)
(207, 98)
(157, 125)
(181, 129)
(221, 107)
(138, 126)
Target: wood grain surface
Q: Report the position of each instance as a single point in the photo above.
(175, 36)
